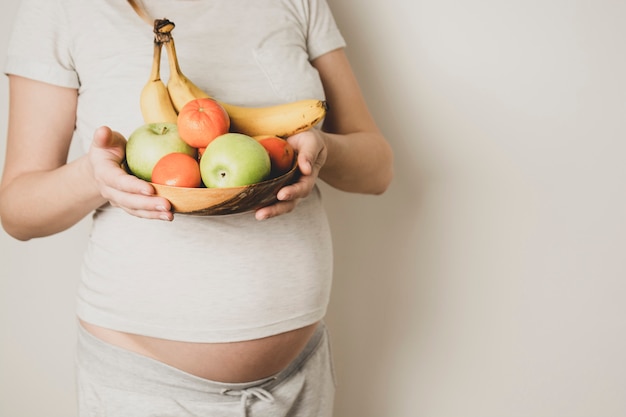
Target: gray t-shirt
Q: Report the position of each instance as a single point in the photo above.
(198, 279)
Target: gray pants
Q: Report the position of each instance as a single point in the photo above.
(114, 382)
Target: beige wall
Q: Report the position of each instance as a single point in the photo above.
(490, 279)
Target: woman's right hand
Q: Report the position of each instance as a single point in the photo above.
(121, 189)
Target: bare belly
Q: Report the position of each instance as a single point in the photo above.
(225, 362)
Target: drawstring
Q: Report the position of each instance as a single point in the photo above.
(258, 392)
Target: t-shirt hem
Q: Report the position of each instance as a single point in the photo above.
(332, 41)
(99, 318)
(40, 72)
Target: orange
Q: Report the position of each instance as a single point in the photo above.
(281, 153)
(177, 170)
(201, 120)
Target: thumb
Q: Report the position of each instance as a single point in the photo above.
(304, 163)
(102, 137)
(107, 140)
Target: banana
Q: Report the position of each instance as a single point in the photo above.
(179, 87)
(281, 120)
(154, 101)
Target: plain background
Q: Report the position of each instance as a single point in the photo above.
(490, 279)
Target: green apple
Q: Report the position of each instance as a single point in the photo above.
(149, 143)
(234, 160)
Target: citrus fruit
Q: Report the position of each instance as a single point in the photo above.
(281, 153)
(177, 170)
(201, 120)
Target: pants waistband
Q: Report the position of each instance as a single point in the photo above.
(126, 370)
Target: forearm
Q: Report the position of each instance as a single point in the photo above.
(42, 203)
(359, 162)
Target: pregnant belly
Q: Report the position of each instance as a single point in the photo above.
(224, 362)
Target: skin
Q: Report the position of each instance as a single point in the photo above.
(42, 194)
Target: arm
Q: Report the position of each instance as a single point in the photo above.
(349, 153)
(40, 193)
(359, 157)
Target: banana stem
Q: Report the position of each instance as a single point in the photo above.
(155, 72)
(175, 70)
(163, 34)
(163, 29)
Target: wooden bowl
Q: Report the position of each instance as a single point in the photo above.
(220, 201)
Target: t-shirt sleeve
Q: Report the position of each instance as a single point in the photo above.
(40, 44)
(324, 35)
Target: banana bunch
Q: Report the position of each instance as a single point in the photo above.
(162, 103)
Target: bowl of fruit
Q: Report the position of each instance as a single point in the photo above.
(206, 156)
(205, 201)
(233, 173)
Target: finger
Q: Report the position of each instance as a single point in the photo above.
(126, 190)
(122, 181)
(102, 136)
(304, 163)
(274, 210)
(309, 147)
(139, 203)
(106, 139)
(152, 215)
(300, 189)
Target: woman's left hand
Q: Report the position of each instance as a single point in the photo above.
(311, 149)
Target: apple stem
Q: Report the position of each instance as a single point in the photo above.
(162, 129)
